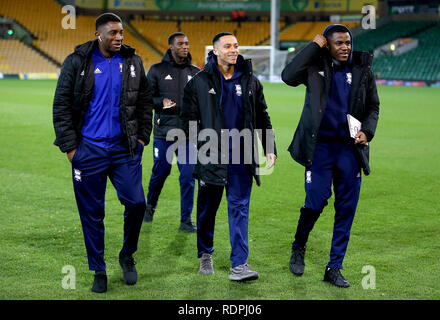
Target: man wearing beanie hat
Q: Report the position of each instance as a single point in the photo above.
(339, 83)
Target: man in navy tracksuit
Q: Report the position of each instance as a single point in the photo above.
(102, 118)
(168, 79)
(339, 82)
(225, 95)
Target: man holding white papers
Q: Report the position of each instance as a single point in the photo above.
(340, 85)
(167, 79)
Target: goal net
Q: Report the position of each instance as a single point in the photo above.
(261, 58)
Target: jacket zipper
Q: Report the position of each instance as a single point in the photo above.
(111, 95)
(178, 89)
(122, 102)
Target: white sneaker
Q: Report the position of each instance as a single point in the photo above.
(243, 273)
(206, 264)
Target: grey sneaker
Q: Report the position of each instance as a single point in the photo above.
(206, 264)
(243, 273)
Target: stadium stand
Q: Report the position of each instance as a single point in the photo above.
(149, 56)
(421, 63)
(16, 57)
(149, 37)
(306, 31)
(200, 33)
(37, 17)
(156, 32)
(372, 39)
(52, 39)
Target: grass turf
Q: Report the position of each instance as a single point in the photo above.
(396, 228)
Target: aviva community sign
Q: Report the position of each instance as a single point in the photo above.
(227, 6)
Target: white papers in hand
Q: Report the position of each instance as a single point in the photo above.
(169, 106)
(354, 125)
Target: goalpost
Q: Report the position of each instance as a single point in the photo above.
(267, 61)
(262, 56)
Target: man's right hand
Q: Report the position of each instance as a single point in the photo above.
(71, 154)
(320, 40)
(168, 103)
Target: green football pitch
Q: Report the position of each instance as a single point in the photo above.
(394, 250)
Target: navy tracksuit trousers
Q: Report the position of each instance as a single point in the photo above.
(332, 162)
(91, 165)
(238, 194)
(162, 169)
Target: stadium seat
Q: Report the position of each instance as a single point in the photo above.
(372, 39)
(421, 63)
(306, 31)
(16, 57)
(200, 33)
(37, 16)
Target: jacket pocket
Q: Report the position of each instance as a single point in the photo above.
(76, 154)
(363, 155)
(165, 120)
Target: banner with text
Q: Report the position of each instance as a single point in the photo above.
(229, 5)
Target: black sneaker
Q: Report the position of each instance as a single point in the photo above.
(296, 263)
(334, 276)
(187, 226)
(100, 282)
(128, 269)
(149, 213)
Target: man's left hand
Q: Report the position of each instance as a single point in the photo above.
(271, 159)
(360, 138)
